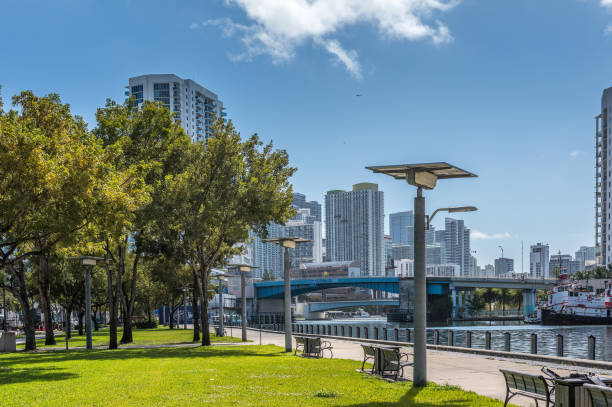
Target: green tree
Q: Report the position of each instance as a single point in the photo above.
(150, 144)
(490, 296)
(476, 303)
(502, 295)
(52, 173)
(515, 296)
(231, 187)
(267, 275)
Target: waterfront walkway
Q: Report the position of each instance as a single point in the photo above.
(470, 372)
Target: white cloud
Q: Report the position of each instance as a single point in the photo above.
(193, 26)
(576, 153)
(477, 235)
(278, 27)
(606, 3)
(608, 29)
(348, 58)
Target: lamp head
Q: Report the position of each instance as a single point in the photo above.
(462, 209)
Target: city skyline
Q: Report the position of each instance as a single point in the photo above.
(516, 103)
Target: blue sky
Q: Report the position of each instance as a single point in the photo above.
(506, 89)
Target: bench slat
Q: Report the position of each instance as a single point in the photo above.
(600, 396)
(526, 384)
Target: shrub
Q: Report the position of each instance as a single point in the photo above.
(146, 324)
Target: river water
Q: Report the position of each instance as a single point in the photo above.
(575, 338)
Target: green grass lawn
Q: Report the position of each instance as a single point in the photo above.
(157, 336)
(246, 375)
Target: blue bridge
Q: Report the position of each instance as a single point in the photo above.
(457, 289)
(276, 289)
(329, 305)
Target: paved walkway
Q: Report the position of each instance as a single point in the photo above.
(470, 372)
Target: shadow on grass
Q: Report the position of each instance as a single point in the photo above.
(408, 399)
(59, 356)
(24, 375)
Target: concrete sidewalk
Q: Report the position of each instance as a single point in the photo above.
(470, 372)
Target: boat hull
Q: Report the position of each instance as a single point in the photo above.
(550, 317)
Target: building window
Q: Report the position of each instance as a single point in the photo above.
(161, 93)
(138, 93)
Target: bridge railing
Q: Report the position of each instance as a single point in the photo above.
(494, 343)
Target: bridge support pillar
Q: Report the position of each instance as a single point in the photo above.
(529, 301)
(453, 302)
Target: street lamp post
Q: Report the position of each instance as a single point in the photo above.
(4, 313)
(288, 243)
(422, 176)
(185, 307)
(88, 262)
(243, 269)
(219, 277)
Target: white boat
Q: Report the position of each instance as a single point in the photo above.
(571, 303)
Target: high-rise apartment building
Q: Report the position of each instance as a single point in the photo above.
(504, 266)
(539, 261)
(355, 227)
(388, 251)
(473, 266)
(457, 244)
(299, 202)
(190, 103)
(399, 224)
(586, 256)
(603, 177)
(268, 256)
(563, 264)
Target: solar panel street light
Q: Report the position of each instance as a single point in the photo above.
(243, 268)
(220, 276)
(422, 176)
(288, 243)
(88, 262)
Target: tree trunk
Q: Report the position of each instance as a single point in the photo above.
(171, 311)
(21, 294)
(113, 296)
(28, 326)
(149, 316)
(81, 315)
(44, 291)
(127, 336)
(68, 322)
(196, 311)
(204, 301)
(95, 319)
(128, 304)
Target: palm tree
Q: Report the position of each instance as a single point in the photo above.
(515, 297)
(503, 296)
(490, 296)
(476, 303)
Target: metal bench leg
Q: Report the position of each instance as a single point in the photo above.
(508, 396)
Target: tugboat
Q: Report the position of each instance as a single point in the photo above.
(573, 304)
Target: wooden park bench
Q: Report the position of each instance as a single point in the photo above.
(601, 396)
(369, 353)
(393, 362)
(527, 385)
(312, 347)
(300, 343)
(387, 361)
